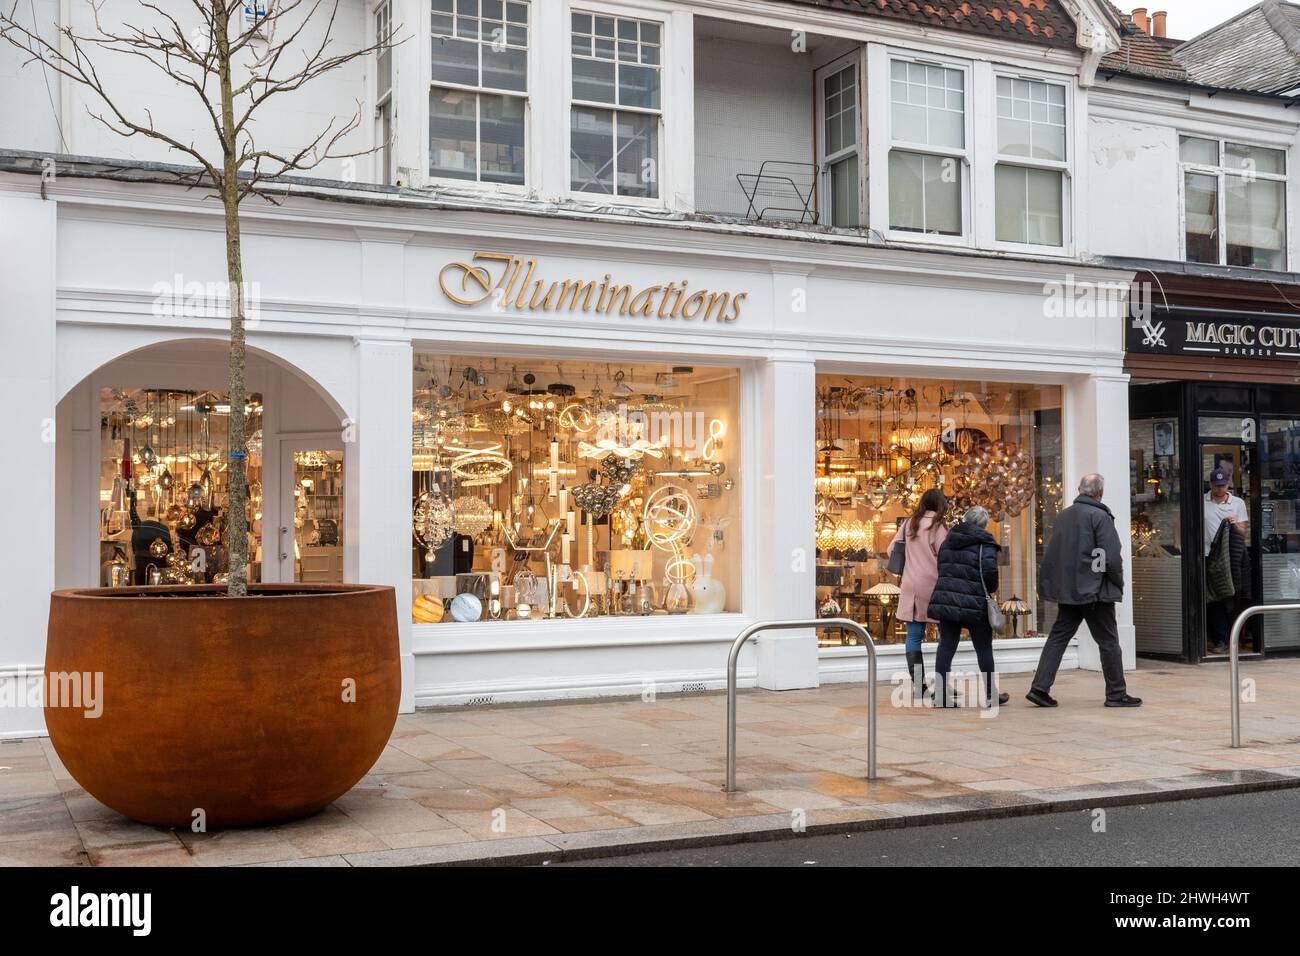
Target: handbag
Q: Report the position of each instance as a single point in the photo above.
(997, 620)
(897, 557)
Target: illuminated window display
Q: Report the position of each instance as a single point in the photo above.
(881, 443)
(545, 489)
(162, 486)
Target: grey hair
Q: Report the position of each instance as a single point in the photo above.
(977, 515)
(1092, 485)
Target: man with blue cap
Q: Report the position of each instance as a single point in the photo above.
(1221, 505)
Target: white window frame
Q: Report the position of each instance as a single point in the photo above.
(1220, 173)
(426, 159)
(384, 100)
(880, 161)
(619, 11)
(825, 200)
(1066, 248)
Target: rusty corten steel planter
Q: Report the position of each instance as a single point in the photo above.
(235, 706)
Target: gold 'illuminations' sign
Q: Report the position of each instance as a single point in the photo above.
(507, 282)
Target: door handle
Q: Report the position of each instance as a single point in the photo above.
(283, 554)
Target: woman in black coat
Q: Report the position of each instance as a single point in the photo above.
(968, 569)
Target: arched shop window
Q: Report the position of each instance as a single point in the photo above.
(162, 486)
(546, 490)
(882, 442)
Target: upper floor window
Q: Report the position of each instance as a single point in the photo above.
(616, 110)
(479, 90)
(928, 153)
(1032, 160)
(384, 91)
(839, 143)
(1242, 186)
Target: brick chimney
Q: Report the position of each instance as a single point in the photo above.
(1158, 23)
(1140, 19)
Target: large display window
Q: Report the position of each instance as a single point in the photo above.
(545, 490)
(883, 442)
(163, 491)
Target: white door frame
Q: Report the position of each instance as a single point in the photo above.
(277, 512)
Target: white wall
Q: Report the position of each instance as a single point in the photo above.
(27, 374)
(30, 101)
(287, 122)
(1133, 184)
(752, 102)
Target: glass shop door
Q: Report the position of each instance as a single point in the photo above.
(310, 535)
(1230, 443)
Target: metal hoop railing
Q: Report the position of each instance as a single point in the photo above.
(1234, 643)
(753, 629)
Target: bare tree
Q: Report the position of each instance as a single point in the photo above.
(233, 67)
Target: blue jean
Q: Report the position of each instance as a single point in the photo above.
(915, 635)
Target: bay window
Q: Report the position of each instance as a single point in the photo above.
(1234, 203)
(928, 157)
(839, 128)
(1032, 160)
(616, 108)
(478, 97)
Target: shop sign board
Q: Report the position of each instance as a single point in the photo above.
(513, 283)
(1203, 335)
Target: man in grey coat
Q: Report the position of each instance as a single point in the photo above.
(1083, 573)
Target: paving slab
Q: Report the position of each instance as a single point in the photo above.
(538, 782)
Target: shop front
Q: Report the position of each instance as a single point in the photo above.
(1214, 435)
(585, 453)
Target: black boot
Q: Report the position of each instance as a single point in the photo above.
(944, 694)
(916, 667)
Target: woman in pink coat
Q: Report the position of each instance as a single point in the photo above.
(921, 534)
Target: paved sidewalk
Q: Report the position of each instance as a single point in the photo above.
(548, 781)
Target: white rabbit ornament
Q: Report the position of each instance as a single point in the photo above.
(710, 594)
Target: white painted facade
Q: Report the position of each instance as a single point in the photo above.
(348, 293)
(1133, 160)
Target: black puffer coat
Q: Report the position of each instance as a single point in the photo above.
(958, 593)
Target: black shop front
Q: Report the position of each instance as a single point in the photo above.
(1214, 392)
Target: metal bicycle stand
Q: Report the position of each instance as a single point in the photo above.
(753, 629)
(1234, 643)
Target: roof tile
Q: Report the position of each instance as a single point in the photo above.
(1043, 22)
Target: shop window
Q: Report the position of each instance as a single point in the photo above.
(1279, 481)
(478, 99)
(1030, 178)
(928, 156)
(162, 486)
(545, 490)
(1155, 496)
(1234, 203)
(882, 443)
(616, 116)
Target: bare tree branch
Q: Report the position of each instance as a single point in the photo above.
(232, 69)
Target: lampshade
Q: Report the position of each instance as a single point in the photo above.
(884, 587)
(1014, 605)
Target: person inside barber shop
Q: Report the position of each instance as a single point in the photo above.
(1227, 534)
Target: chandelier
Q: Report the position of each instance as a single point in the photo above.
(434, 519)
(473, 515)
(479, 464)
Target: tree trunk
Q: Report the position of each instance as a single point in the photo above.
(237, 463)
